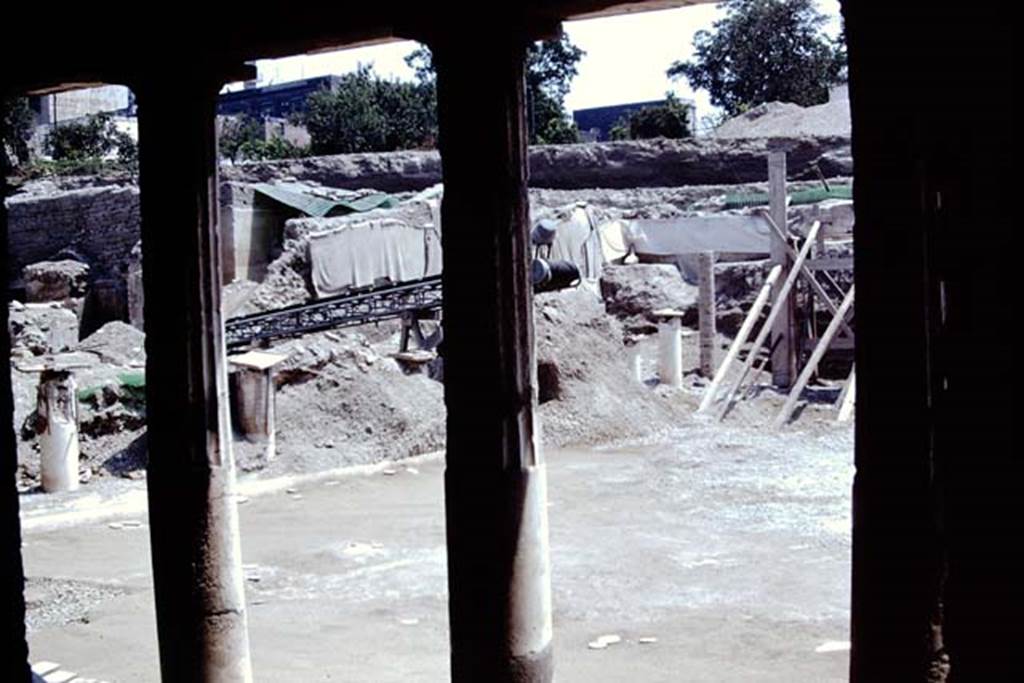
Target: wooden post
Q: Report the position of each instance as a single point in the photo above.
(848, 397)
(13, 646)
(706, 312)
(499, 582)
(783, 359)
(197, 564)
(812, 363)
(741, 338)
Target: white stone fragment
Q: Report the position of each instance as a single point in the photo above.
(44, 667)
(833, 646)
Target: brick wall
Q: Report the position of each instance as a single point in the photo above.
(99, 223)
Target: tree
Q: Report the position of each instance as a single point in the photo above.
(550, 67)
(366, 113)
(765, 51)
(237, 131)
(15, 131)
(668, 120)
(92, 138)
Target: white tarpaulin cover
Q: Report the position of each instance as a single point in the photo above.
(369, 252)
(577, 240)
(740, 234)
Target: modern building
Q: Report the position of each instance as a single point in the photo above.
(273, 101)
(595, 123)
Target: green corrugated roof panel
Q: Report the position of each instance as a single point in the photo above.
(810, 196)
(319, 207)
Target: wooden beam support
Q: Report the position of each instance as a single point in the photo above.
(499, 580)
(897, 552)
(783, 330)
(812, 363)
(768, 326)
(13, 646)
(197, 574)
(809, 278)
(741, 338)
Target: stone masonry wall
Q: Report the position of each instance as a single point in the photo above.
(101, 224)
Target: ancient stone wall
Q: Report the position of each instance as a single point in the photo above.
(99, 224)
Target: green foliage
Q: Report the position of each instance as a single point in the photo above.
(94, 137)
(422, 63)
(550, 67)
(15, 131)
(668, 120)
(236, 131)
(274, 148)
(366, 113)
(549, 123)
(765, 51)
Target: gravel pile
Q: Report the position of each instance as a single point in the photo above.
(785, 120)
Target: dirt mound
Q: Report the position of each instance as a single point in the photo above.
(587, 390)
(117, 343)
(341, 401)
(786, 120)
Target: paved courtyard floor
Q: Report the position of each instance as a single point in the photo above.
(731, 549)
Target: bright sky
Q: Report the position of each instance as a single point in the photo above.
(625, 61)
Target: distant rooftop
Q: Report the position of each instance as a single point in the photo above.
(595, 123)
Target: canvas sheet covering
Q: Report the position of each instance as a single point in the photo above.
(577, 240)
(739, 234)
(371, 252)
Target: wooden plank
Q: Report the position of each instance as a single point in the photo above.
(844, 263)
(769, 324)
(848, 397)
(812, 363)
(741, 338)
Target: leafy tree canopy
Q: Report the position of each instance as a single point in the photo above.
(366, 113)
(550, 67)
(15, 131)
(92, 137)
(668, 120)
(765, 51)
(235, 132)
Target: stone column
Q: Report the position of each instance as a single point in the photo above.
(499, 579)
(57, 410)
(670, 347)
(197, 574)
